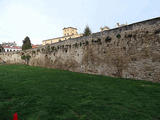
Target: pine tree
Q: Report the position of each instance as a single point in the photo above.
(87, 31)
(26, 44)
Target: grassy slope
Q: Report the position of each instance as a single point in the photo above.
(47, 94)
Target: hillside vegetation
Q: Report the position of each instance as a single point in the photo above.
(47, 94)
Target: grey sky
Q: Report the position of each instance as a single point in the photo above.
(44, 19)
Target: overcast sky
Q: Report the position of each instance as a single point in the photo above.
(45, 19)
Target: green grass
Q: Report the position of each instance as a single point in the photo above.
(46, 94)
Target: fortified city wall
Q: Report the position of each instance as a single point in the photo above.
(131, 51)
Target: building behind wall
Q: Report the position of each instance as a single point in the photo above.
(121, 25)
(68, 33)
(35, 46)
(10, 46)
(104, 28)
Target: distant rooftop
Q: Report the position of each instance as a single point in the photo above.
(69, 27)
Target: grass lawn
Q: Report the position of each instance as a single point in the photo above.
(46, 94)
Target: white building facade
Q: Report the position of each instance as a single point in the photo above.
(11, 48)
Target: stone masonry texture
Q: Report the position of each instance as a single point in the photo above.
(131, 51)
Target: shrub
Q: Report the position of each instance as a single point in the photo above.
(33, 52)
(26, 58)
(118, 36)
(130, 35)
(52, 48)
(38, 50)
(76, 45)
(157, 31)
(99, 41)
(23, 57)
(48, 48)
(42, 49)
(80, 44)
(108, 39)
(87, 42)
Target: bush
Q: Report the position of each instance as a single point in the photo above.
(48, 48)
(87, 43)
(33, 52)
(26, 58)
(118, 36)
(23, 57)
(38, 50)
(157, 31)
(108, 39)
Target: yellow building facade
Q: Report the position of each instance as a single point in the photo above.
(68, 33)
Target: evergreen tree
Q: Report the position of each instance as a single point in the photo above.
(87, 31)
(26, 44)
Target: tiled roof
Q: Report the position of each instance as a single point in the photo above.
(12, 47)
(70, 27)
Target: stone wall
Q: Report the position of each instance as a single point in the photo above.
(131, 51)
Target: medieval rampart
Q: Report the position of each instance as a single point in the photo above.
(131, 51)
